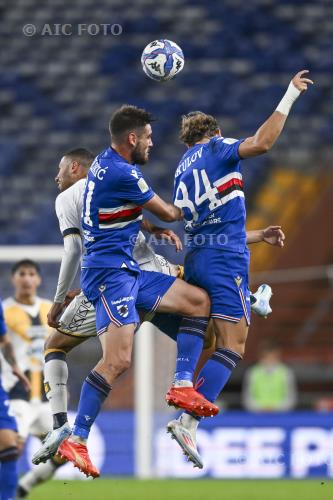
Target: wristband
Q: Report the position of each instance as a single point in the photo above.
(288, 99)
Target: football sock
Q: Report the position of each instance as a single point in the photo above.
(37, 475)
(94, 391)
(55, 384)
(216, 373)
(190, 341)
(8, 473)
(189, 421)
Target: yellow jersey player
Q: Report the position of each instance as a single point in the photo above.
(25, 315)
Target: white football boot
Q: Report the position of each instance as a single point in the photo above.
(183, 431)
(260, 301)
(51, 444)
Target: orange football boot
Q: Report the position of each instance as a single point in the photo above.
(191, 400)
(77, 453)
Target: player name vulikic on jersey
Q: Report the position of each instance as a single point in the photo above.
(110, 222)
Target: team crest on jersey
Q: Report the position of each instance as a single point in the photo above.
(123, 310)
(238, 281)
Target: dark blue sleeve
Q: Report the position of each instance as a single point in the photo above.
(226, 149)
(3, 328)
(133, 187)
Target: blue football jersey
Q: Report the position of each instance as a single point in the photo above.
(3, 328)
(209, 189)
(112, 213)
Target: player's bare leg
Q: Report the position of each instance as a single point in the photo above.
(57, 346)
(194, 305)
(117, 345)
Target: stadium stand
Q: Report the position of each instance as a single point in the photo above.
(58, 91)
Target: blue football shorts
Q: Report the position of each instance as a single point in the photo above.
(117, 294)
(7, 421)
(224, 275)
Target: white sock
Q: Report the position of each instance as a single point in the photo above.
(190, 423)
(55, 379)
(37, 475)
(182, 383)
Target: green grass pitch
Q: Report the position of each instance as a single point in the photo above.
(131, 489)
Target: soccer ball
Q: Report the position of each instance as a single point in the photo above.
(162, 60)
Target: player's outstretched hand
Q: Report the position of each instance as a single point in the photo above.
(273, 235)
(171, 237)
(53, 315)
(300, 81)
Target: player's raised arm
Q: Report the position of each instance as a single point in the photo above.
(164, 211)
(270, 130)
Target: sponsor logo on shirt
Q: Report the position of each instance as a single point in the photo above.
(122, 299)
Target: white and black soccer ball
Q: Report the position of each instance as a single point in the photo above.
(162, 60)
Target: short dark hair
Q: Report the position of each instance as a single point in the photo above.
(25, 263)
(195, 126)
(82, 155)
(126, 119)
(269, 345)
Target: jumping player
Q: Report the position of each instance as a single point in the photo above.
(78, 321)
(209, 190)
(111, 279)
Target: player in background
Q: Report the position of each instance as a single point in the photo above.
(78, 322)
(209, 190)
(8, 429)
(26, 318)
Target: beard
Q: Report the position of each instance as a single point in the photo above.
(138, 156)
